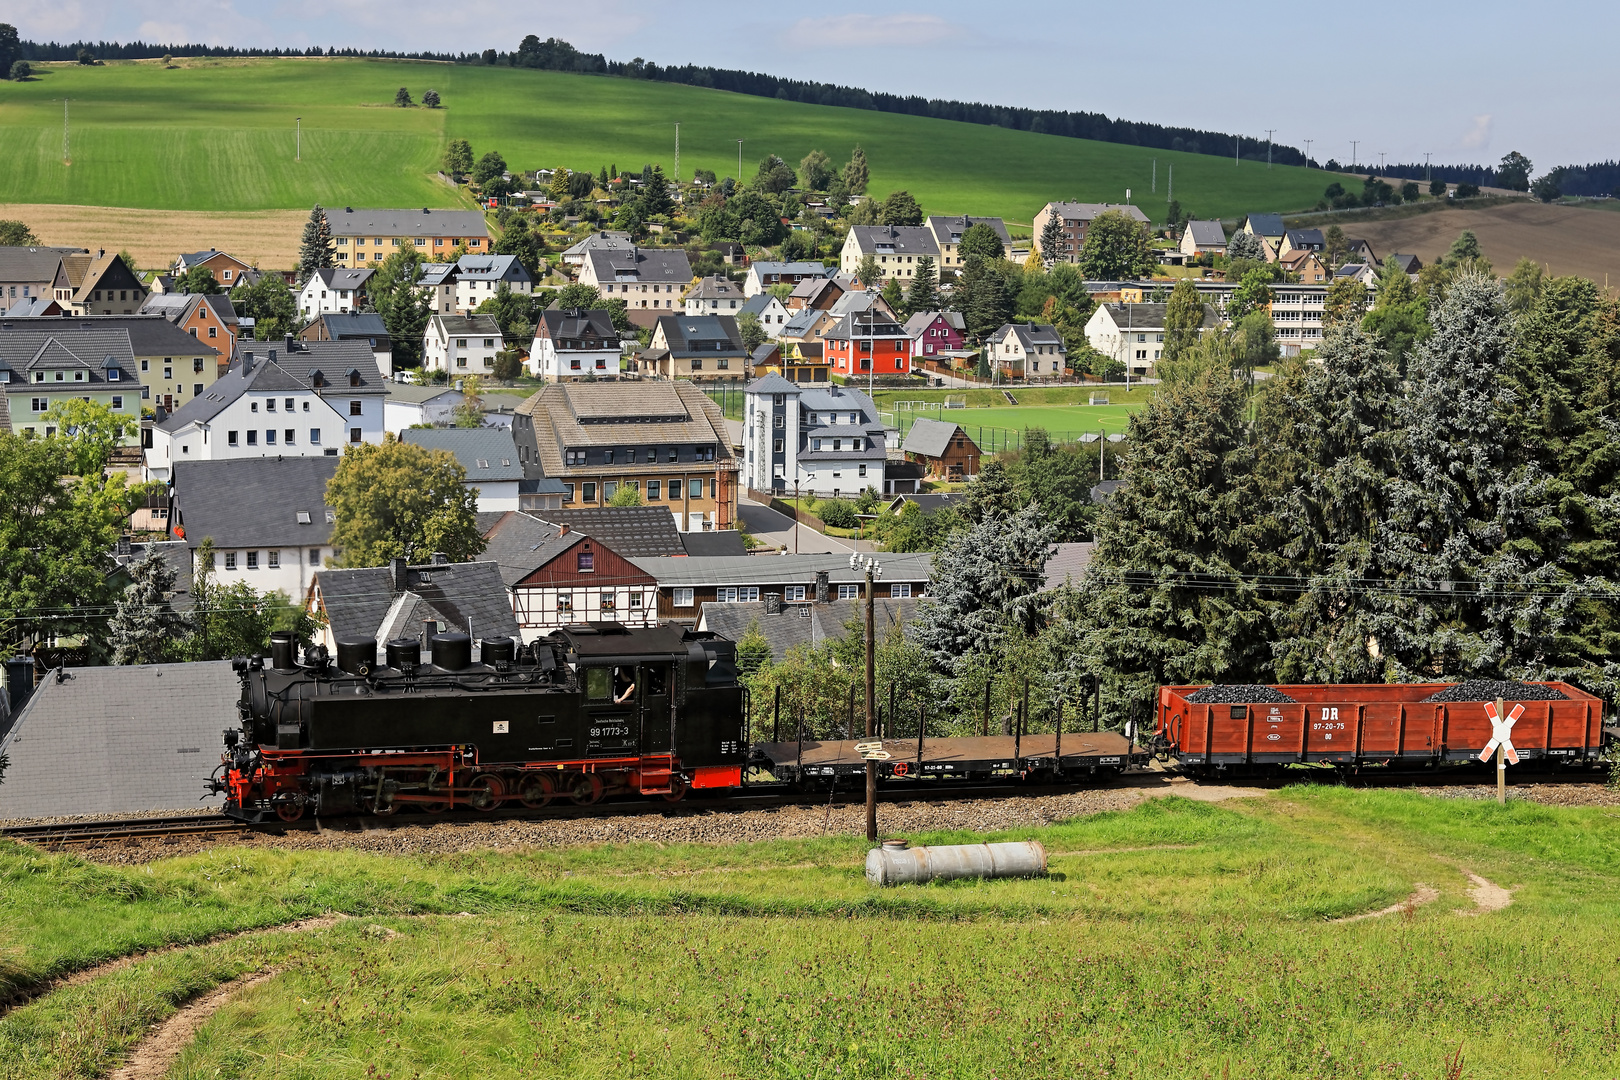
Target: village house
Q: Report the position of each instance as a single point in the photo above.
(561, 575)
(821, 440)
(936, 334)
(714, 295)
(366, 326)
(685, 585)
(1270, 229)
(668, 440)
(265, 517)
(361, 237)
(461, 344)
(1300, 240)
(650, 281)
(948, 237)
(438, 281)
(1074, 219)
(172, 365)
(208, 317)
(868, 342)
(604, 240)
(29, 273)
(294, 399)
(40, 367)
(1133, 334)
(109, 287)
(386, 603)
(488, 456)
(478, 277)
(822, 292)
(409, 405)
(944, 448)
(333, 289)
(575, 344)
(785, 626)
(227, 269)
(770, 312)
(1202, 238)
(702, 348)
(765, 275)
(1026, 350)
(1304, 266)
(897, 249)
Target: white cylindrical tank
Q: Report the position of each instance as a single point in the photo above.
(896, 864)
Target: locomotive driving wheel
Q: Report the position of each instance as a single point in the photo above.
(289, 807)
(486, 792)
(587, 789)
(537, 791)
(677, 789)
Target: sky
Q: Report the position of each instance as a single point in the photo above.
(1463, 83)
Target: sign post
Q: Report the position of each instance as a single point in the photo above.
(1501, 743)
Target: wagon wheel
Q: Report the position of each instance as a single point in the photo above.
(486, 792)
(588, 788)
(537, 791)
(677, 788)
(289, 807)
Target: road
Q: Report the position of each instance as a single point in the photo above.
(770, 527)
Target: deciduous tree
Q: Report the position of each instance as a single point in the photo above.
(1345, 302)
(397, 500)
(1514, 171)
(901, 209)
(1115, 248)
(90, 431)
(270, 304)
(402, 98)
(431, 99)
(981, 240)
(1183, 319)
(403, 304)
(458, 157)
(816, 171)
(17, 234)
(488, 168)
(199, 279)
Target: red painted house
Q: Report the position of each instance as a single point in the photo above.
(868, 341)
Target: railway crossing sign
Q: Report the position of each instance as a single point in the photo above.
(1501, 732)
(872, 751)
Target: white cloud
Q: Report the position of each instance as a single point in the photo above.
(869, 31)
(1478, 137)
(66, 21)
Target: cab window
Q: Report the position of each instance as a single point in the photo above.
(657, 680)
(598, 683)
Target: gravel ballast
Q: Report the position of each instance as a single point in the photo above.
(1491, 689)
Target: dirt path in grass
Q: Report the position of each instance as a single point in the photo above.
(151, 1058)
(78, 978)
(1487, 896)
(1423, 894)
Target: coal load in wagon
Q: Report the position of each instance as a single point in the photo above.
(1237, 694)
(1491, 690)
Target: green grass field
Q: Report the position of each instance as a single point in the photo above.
(218, 135)
(1176, 940)
(998, 427)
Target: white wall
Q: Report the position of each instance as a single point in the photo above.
(251, 415)
(538, 612)
(441, 353)
(469, 294)
(496, 495)
(546, 363)
(317, 299)
(293, 575)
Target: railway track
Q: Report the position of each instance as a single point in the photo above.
(78, 834)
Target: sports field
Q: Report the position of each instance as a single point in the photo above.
(219, 135)
(997, 426)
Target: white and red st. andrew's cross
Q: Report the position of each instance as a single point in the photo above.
(1501, 732)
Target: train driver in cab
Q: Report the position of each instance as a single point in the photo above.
(624, 684)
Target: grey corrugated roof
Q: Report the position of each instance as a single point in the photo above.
(663, 265)
(254, 502)
(1079, 211)
(344, 325)
(722, 543)
(452, 223)
(1207, 233)
(781, 569)
(630, 531)
(1266, 224)
(898, 239)
(357, 601)
(930, 438)
(486, 453)
(702, 335)
(1068, 563)
(109, 740)
(32, 264)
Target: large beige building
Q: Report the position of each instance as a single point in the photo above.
(1076, 218)
(363, 237)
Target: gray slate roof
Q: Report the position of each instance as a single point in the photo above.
(895, 240)
(356, 325)
(668, 266)
(486, 453)
(930, 438)
(32, 263)
(520, 544)
(763, 270)
(358, 601)
(630, 531)
(829, 621)
(724, 543)
(702, 335)
(1068, 563)
(950, 229)
(491, 268)
(1079, 211)
(1207, 233)
(782, 569)
(269, 366)
(110, 740)
(1266, 224)
(452, 223)
(342, 277)
(254, 502)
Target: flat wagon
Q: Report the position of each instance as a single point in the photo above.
(1366, 724)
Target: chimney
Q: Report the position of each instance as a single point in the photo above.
(289, 342)
(821, 587)
(272, 356)
(247, 363)
(562, 530)
(398, 579)
(773, 603)
(440, 559)
(101, 253)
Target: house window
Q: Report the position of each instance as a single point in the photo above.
(900, 591)
(314, 556)
(607, 457)
(270, 405)
(606, 600)
(778, 446)
(565, 602)
(272, 559)
(314, 436)
(653, 490)
(270, 437)
(568, 493)
(794, 594)
(230, 560)
(118, 401)
(586, 562)
(574, 457)
(587, 493)
(354, 435)
(863, 470)
(40, 404)
(113, 374)
(253, 560)
(230, 438)
(354, 408)
(849, 592)
(253, 438)
(609, 489)
(253, 406)
(682, 598)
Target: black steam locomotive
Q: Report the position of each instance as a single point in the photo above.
(583, 713)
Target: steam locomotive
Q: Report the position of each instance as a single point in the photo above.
(586, 712)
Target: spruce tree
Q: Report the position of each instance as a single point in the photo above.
(1052, 239)
(923, 294)
(145, 629)
(1343, 452)
(315, 250)
(1167, 593)
(856, 173)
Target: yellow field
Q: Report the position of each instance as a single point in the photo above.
(267, 238)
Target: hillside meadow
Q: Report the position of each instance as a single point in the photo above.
(1177, 939)
(219, 135)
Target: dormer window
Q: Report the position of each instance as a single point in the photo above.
(78, 376)
(316, 378)
(112, 375)
(354, 377)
